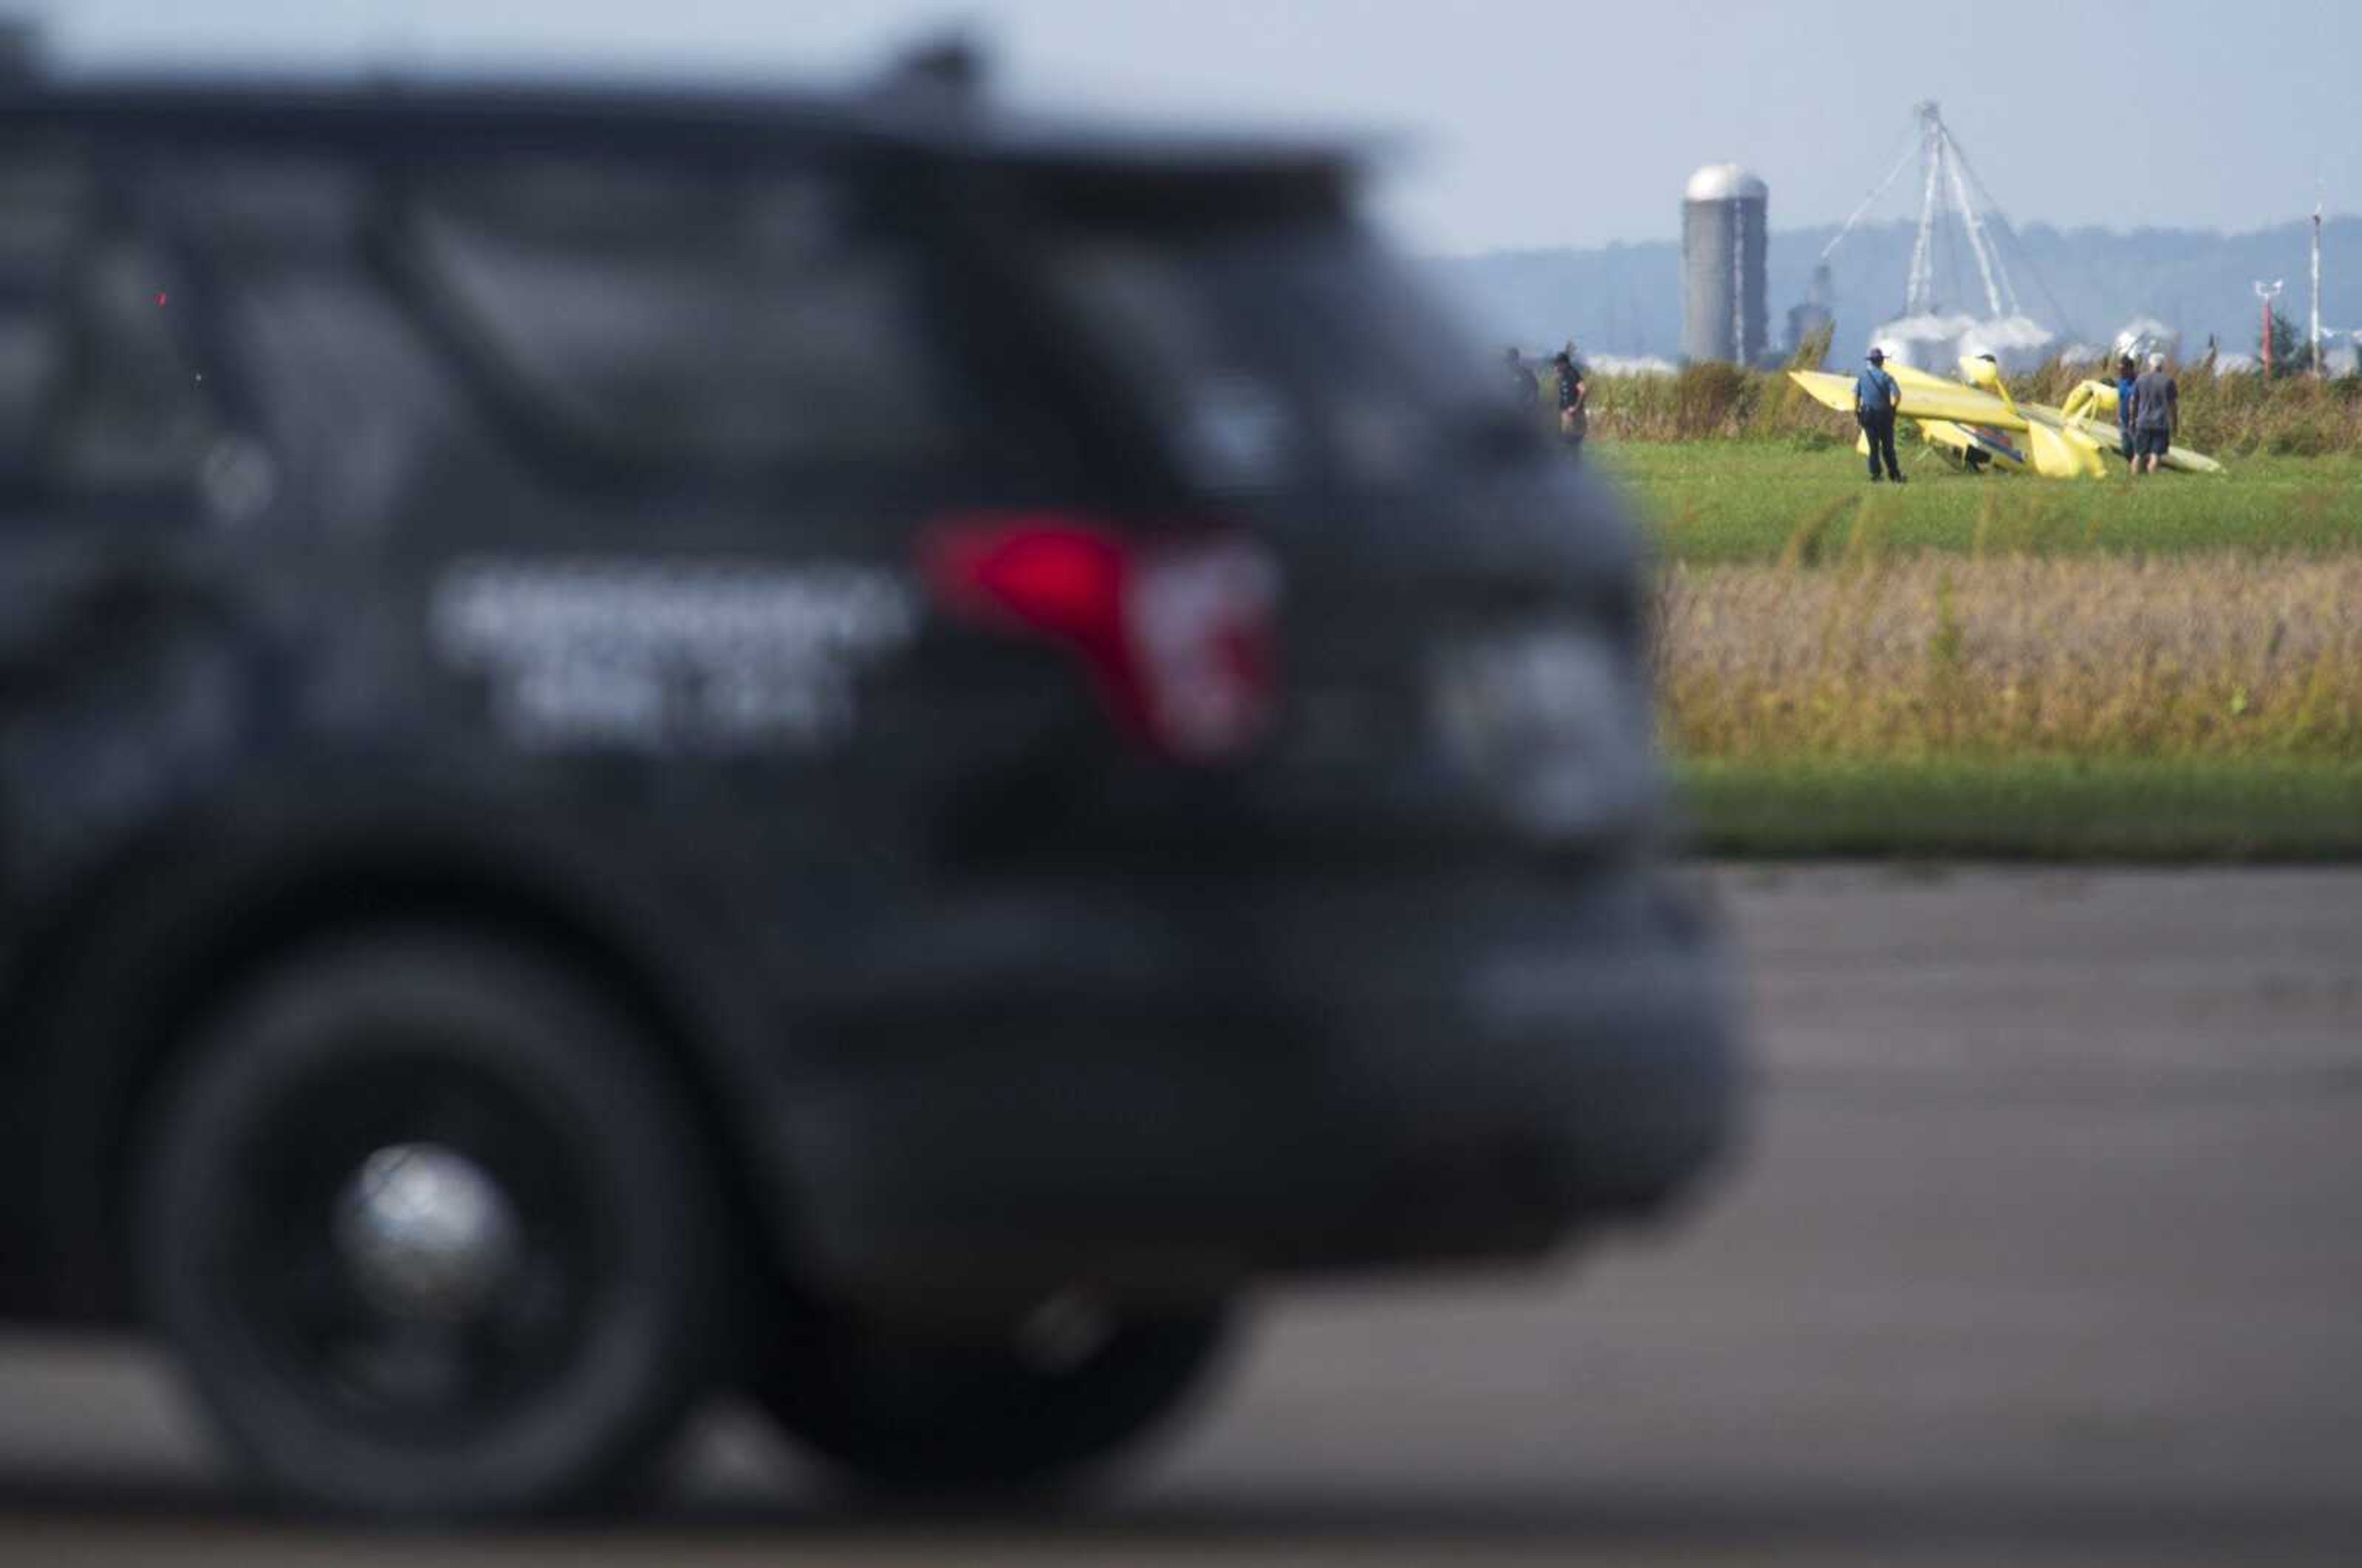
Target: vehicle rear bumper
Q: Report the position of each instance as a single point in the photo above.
(1175, 1100)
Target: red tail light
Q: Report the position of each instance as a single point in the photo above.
(1179, 635)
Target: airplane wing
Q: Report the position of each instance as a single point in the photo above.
(1912, 376)
(1923, 395)
(1824, 387)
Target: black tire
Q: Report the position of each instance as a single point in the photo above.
(979, 1419)
(573, 1362)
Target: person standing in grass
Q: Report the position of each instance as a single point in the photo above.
(2157, 415)
(2127, 377)
(1524, 390)
(1573, 400)
(1875, 400)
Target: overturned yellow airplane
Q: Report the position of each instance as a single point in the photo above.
(1974, 423)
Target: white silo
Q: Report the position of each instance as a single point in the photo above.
(1722, 264)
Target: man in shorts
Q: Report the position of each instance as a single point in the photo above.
(2157, 415)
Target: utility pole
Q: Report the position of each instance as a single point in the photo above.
(2268, 292)
(2316, 288)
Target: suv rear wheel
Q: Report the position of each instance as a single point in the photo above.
(427, 1224)
(1017, 1412)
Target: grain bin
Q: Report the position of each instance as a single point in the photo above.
(1722, 265)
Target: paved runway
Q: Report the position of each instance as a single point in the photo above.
(2048, 1250)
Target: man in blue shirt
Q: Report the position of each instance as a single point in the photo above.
(2126, 376)
(1875, 400)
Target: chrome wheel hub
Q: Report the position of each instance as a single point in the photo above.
(427, 1233)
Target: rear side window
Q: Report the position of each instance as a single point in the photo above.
(732, 322)
(1274, 353)
(132, 417)
(43, 213)
(100, 397)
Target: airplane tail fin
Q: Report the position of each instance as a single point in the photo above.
(2063, 454)
(2090, 400)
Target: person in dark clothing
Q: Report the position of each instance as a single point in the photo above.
(1573, 399)
(1523, 387)
(1876, 399)
(2157, 415)
(2126, 376)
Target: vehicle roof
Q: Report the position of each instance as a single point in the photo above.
(393, 115)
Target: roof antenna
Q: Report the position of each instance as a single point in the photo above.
(946, 70)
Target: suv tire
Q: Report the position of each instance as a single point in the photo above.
(974, 1418)
(426, 1223)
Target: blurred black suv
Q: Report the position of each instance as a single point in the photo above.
(846, 746)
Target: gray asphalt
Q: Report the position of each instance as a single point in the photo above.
(2047, 1250)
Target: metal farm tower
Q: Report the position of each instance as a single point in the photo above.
(1722, 265)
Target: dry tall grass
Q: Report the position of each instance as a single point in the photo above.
(2231, 415)
(2228, 656)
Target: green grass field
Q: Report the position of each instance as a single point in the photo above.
(1757, 501)
(2041, 807)
(2006, 665)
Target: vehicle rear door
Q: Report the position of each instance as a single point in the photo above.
(1452, 608)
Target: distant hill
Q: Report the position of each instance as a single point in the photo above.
(2086, 283)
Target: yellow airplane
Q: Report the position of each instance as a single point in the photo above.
(1980, 425)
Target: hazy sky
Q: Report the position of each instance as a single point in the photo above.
(1531, 122)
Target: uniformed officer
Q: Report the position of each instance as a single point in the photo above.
(1875, 400)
